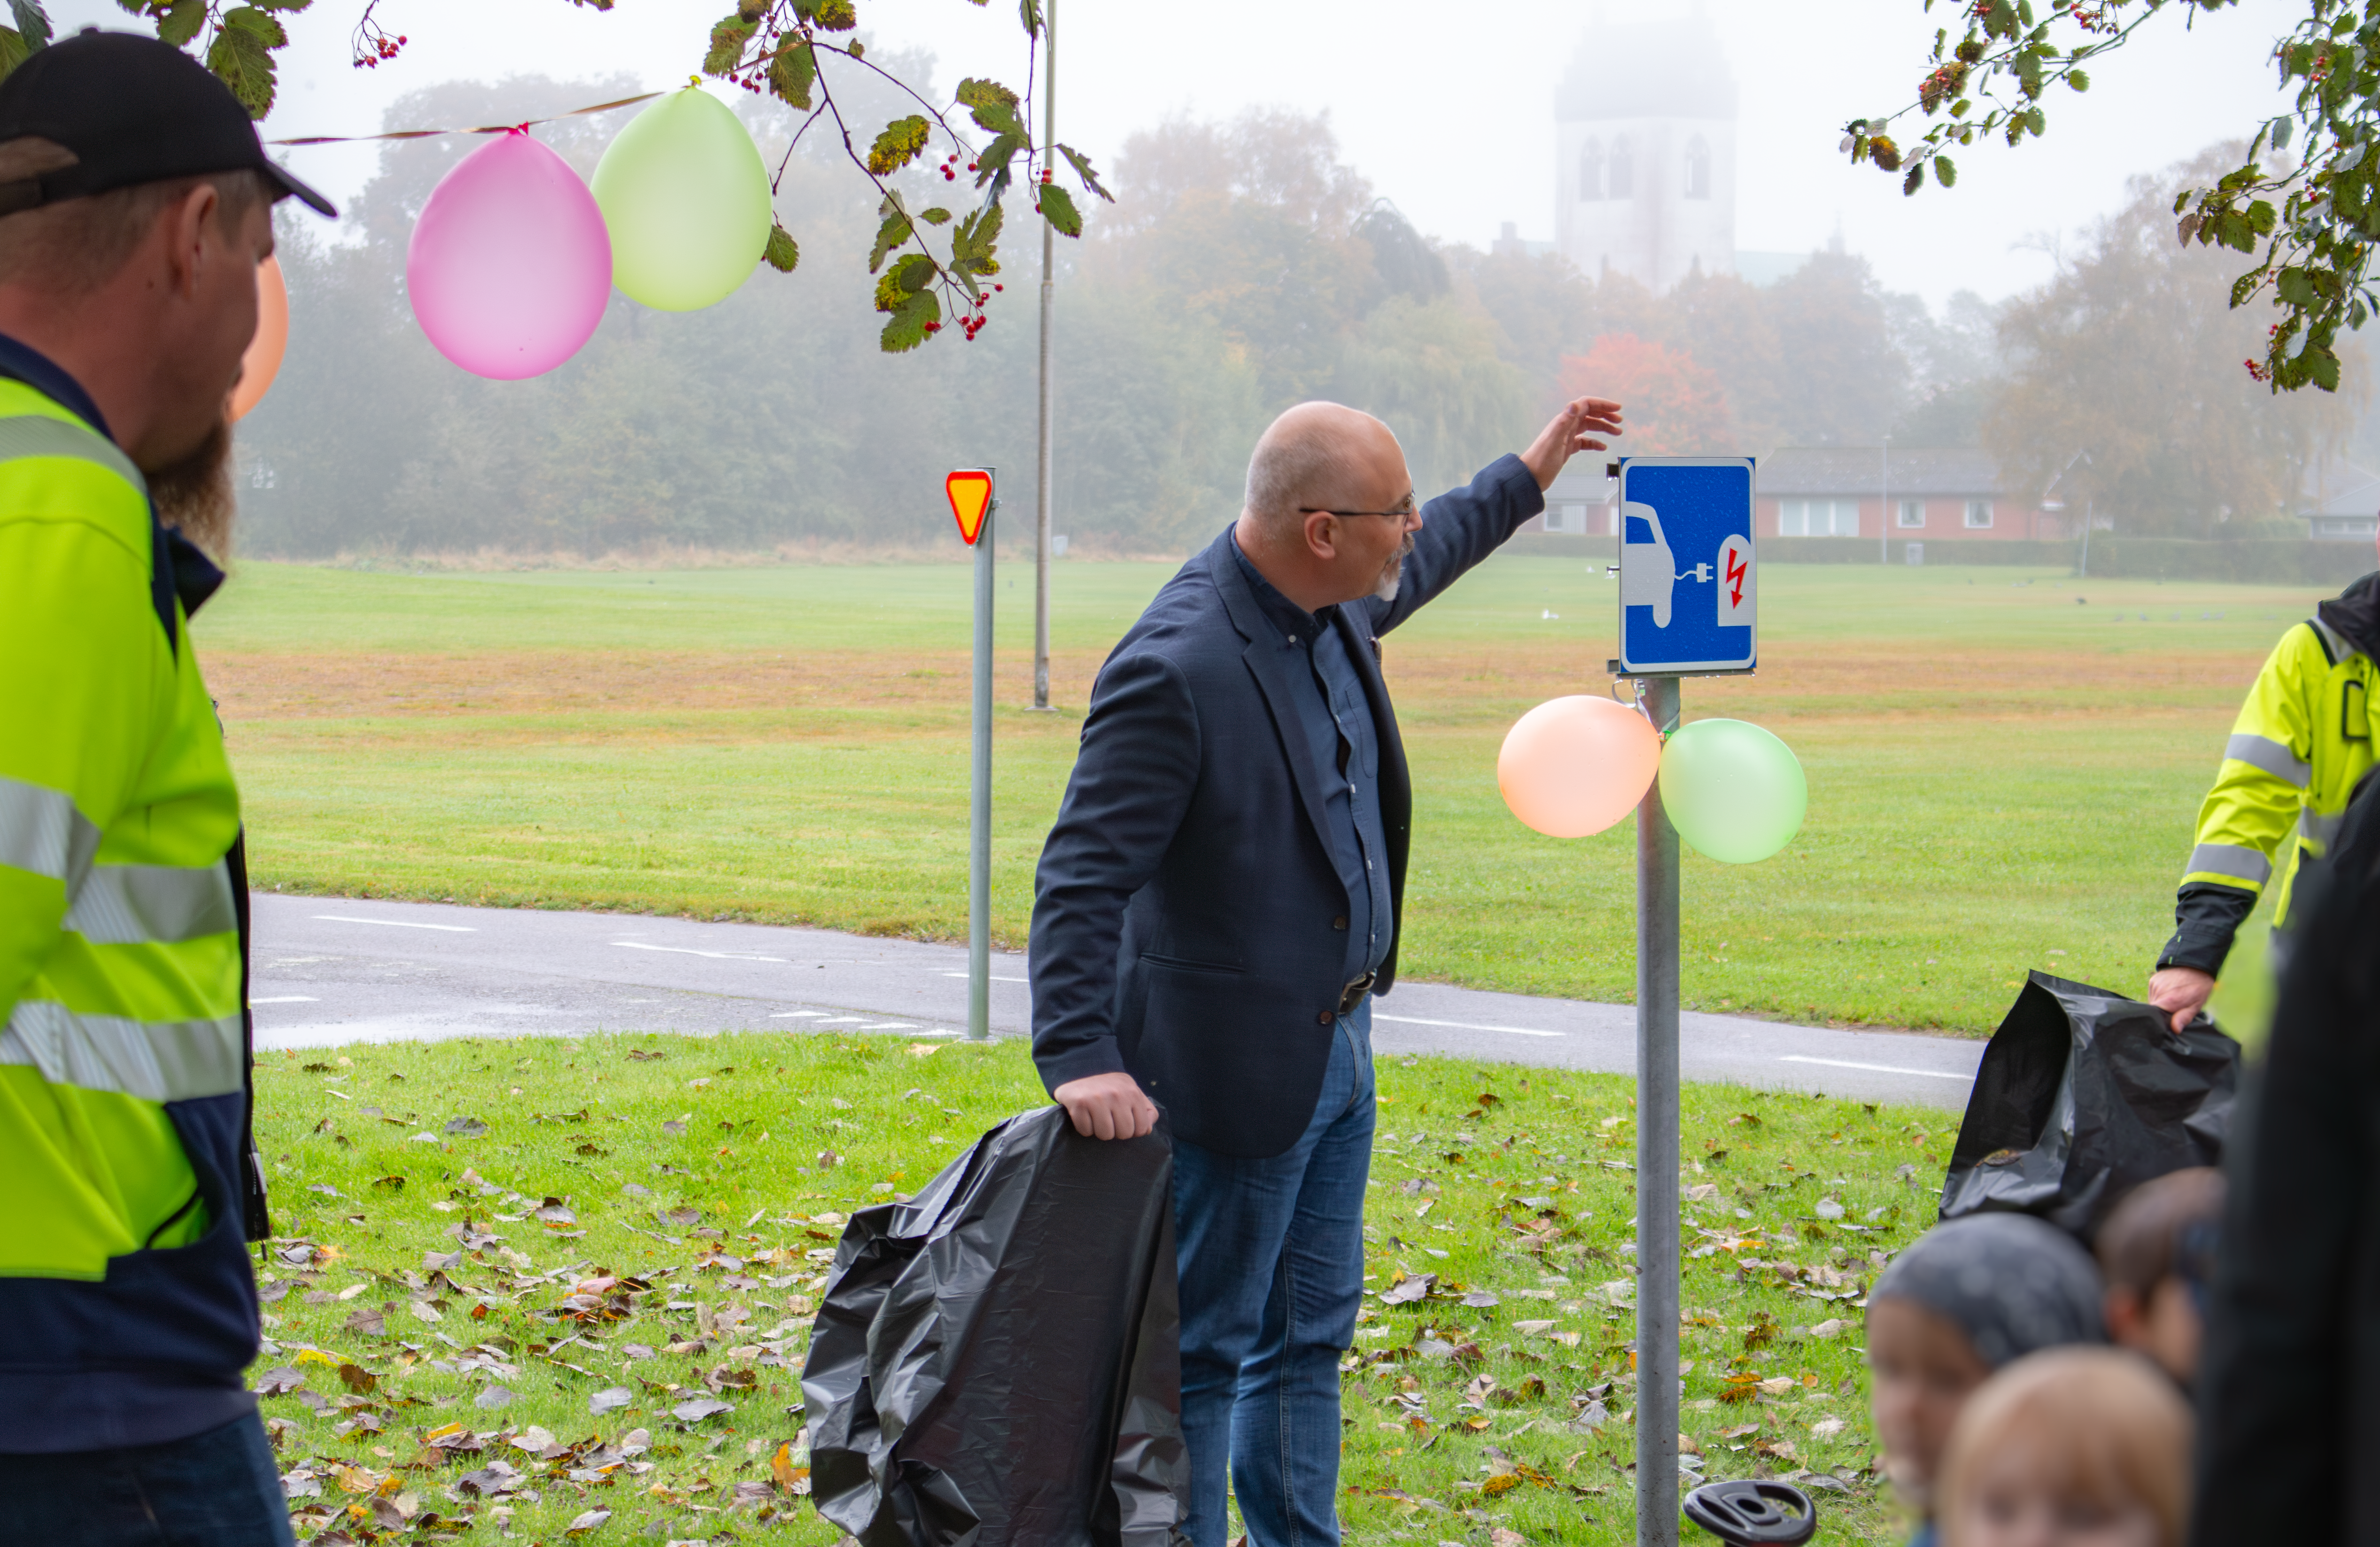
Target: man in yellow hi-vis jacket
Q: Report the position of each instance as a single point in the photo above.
(2299, 747)
(135, 207)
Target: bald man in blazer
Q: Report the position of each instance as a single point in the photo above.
(1218, 905)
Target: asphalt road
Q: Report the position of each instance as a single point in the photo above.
(329, 970)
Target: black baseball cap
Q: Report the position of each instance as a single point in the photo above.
(132, 110)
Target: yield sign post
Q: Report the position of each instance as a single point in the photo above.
(973, 500)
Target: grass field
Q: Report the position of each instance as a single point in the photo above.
(554, 1291)
(2004, 766)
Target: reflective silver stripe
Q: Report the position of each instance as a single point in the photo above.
(134, 904)
(42, 831)
(2231, 859)
(2332, 639)
(39, 435)
(2316, 828)
(157, 1060)
(2263, 752)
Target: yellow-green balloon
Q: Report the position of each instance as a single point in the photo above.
(686, 201)
(1734, 792)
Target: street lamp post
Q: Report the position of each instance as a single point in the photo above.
(1048, 297)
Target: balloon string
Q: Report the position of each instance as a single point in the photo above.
(485, 128)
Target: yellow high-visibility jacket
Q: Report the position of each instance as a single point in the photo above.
(127, 1306)
(2301, 745)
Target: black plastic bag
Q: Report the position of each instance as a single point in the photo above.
(999, 1360)
(2082, 1095)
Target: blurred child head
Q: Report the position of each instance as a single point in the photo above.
(1960, 1301)
(2075, 1447)
(2156, 1252)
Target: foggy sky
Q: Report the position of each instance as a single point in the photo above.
(1453, 121)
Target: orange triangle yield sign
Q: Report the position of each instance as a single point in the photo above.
(970, 493)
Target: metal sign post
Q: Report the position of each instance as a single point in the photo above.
(1049, 295)
(974, 503)
(1688, 603)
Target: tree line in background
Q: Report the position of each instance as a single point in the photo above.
(1246, 268)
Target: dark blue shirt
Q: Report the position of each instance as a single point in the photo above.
(1337, 723)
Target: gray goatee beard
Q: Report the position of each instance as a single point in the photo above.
(1393, 575)
(195, 494)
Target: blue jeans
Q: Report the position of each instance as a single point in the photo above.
(1272, 1272)
(216, 1489)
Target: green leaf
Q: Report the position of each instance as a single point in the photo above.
(991, 106)
(2325, 369)
(12, 50)
(2295, 288)
(1945, 172)
(239, 59)
(2079, 79)
(992, 161)
(2261, 217)
(1058, 209)
(1030, 13)
(935, 216)
(792, 71)
(282, 5)
(974, 241)
(906, 293)
(784, 253)
(32, 23)
(1915, 180)
(181, 21)
(1081, 165)
(727, 40)
(899, 144)
(834, 15)
(895, 231)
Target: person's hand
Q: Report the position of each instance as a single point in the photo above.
(1573, 430)
(2179, 991)
(1107, 1107)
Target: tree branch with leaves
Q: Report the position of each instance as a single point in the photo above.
(2310, 223)
(938, 258)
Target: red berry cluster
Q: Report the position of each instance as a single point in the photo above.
(376, 47)
(949, 167)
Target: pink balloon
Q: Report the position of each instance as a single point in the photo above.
(510, 265)
(1574, 765)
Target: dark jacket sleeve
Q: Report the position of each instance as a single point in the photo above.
(2206, 919)
(1458, 529)
(2289, 1350)
(1132, 783)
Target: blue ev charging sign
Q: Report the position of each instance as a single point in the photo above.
(1688, 573)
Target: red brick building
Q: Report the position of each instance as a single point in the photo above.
(1921, 494)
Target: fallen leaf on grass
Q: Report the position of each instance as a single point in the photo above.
(466, 1127)
(278, 1382)
(1827, 1428)
(493, 1396)
(424, 1310)
(587, 1522)
(694, 1410)
(605, 1400)
(1482, 1299)
(1503, 1537)
(359, 1380)
(1408, 1290)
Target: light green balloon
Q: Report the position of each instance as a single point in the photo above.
(686, 201)
(1734, 792)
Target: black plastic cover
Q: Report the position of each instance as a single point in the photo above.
(999, 1360)
(2082, 1095)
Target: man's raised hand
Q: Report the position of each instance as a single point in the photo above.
(1107, 1107)
(1573, 430)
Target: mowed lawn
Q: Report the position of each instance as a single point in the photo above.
(2004, 766)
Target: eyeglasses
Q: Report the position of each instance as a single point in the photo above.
(1404, 511)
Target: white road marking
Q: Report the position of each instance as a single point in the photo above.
(797, 1015)
(1462, 1026)
(994, 976)
(1875, 1068)
(889, 1026)
(285, 999)
(398, 923)
(714, 955)
(840, 1020)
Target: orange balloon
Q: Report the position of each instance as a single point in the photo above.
(262, 361)
(1574, 765)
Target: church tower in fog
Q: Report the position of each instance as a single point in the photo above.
(1645, 151)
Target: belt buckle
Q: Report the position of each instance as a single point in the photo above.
(1353, 995)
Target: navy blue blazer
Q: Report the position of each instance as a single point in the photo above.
(1188, 924)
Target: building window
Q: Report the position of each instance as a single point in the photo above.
(1697, 168)
(1590, 171)
(1817, 518)
(1621, 171)
(1979, 515)
(1912, 513)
